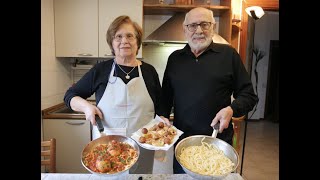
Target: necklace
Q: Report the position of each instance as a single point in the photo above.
(127, 74)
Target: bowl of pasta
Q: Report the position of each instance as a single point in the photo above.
(206, 157)
(110, 155)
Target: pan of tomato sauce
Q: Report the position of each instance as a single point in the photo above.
(110, 155)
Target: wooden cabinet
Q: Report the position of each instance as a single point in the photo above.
(71, 137)
(108, 11)
(81, 25)
(76, 28)
(221, 9)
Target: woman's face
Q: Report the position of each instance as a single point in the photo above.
(124, 42)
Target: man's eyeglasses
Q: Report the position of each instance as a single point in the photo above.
(204, 26)
(129, 37)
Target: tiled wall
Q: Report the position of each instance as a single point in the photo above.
(55, 73)
(157, 55)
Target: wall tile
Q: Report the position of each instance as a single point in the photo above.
(157, 55)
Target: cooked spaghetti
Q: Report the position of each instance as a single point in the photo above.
(205, 159)
(111, 158)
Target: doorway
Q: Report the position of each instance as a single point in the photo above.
(272, 92)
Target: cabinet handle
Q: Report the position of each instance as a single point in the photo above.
(85, 54)
(108, 55)
(75, 123)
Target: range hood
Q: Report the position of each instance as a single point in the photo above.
(172, 32)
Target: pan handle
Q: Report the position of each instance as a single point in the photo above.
(99, 124)
(215, 129)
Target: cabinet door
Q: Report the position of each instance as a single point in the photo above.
(76, 28)
(71, 137)
(108, 11)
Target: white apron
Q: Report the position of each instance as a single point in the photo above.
(125, 109)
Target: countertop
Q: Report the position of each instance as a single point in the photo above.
(67, 176)
(51, 113)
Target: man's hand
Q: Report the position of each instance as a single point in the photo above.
(224, 116)
(166, 120)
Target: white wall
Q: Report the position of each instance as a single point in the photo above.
(266, 29)
(55, 73)
(157, 55)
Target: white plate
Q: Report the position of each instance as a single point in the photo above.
(136, 135)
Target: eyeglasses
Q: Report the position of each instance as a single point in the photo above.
(204, 26)
(129, 37)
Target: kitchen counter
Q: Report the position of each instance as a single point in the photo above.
(61, 111)
(67, 176)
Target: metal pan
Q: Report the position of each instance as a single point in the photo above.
(195, 140)
(105, 139)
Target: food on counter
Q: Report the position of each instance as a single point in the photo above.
(158, 135)
(205, 159)
(111, 158)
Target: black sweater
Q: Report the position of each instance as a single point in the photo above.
(198, 88)
(96, 81)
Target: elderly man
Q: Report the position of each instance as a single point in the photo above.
(200, 79)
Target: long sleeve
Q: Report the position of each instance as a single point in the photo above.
(82, 88)
(245, 98)
(94, 81)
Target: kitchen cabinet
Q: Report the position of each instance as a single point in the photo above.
(221, 9)
(81, 25)
(108, 11)
(76, 28)
(71, 137)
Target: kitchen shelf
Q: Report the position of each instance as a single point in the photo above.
(164, 9)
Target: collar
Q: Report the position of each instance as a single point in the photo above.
(212, 47)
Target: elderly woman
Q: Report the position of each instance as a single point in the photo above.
(127, 90)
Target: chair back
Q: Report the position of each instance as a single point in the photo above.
(237, 121)
(48, 155)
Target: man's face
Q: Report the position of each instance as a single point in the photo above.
(200, 39)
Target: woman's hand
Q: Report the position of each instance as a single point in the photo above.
(91, 111)
(79, 104)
